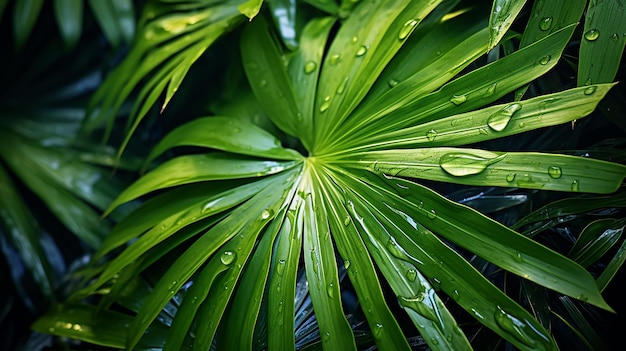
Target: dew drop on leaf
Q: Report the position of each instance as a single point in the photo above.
(309, 67)
(392, 83)
(458, 99)
(346, 264)
(334, 59)
(545, 23)
(490, 90)
(419, 304)
(228, 257)
(280, 267)
(330, 290)
(346, 221)
(434, 341)
(575, 185)
(592, 34)
(411, 274)
(432, 214)
(590, 90)
(518, 257)
(267, 213)
(544, 60)
(555, 172)
(325, 105)
(377, 331)
(396, 250)
(500, 119)
(361, 51)
(465, 164)
(354, 40)
(614, 37)
(510, 177)
(406, 29)
(314, 261)
(514, 326)
(342, 86)
(431, 135)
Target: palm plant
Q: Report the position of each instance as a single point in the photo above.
(316, 178)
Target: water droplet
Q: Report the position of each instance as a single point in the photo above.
(406, 29)
(267, 213)
(362, 50)
(458, 99)
(377, 331)
(346, 264)
(590, 90)
(330, 290)
(342, 87)
(518, 257)
(432, 214)
(280, 267)
(228, 257)
(431, 135)
(456, 295)
(522, 124)
(500, 119)
(490, 90)
(510, 177)
(326, 336)
(334, 59)
(544, 60)
(309, 67)
(411, 274)
(582, 298)
(555, 172)
(588, 81)
(325, 105)
(420, 304)
(263, 83)
(614, 37)
(173, 287)
(465, 164)
(396, 250)
(592, 34)
(514, 326)
(392, 83)
(354, 40)
(314, 261)
(434, 340)
(545, 23)
(347, 220)
(575, 185)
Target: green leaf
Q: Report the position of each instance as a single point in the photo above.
(321, 271)
(25, 14)
(548, 17)
(471, 91)
(612, 267)
(23, 233)
(503, 13)
(116, 18)
(596, 240)
(498, 244)
(603, 42)
(269, 81)
(248, 219)
(196, 168)
(507, 169)
(250, 8)
(77, 321)
(69, 15)
(282, 281)
(225, 134)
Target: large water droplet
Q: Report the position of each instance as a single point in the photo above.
(555, 172)
(411, 274)
(361, 51)
(280, 267)
(309, 67)
(545, 23)
(464, 164)
(592, 34)
(590, 90)
(420, 304)
(544, 60)
(406, 29)
(510, 177)
(431, 135)
(267, 213)
(514, 326)
(228, 257)
(500, 119)
(458, 99)
(490, 90)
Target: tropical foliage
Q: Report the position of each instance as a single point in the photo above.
(339, 175)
